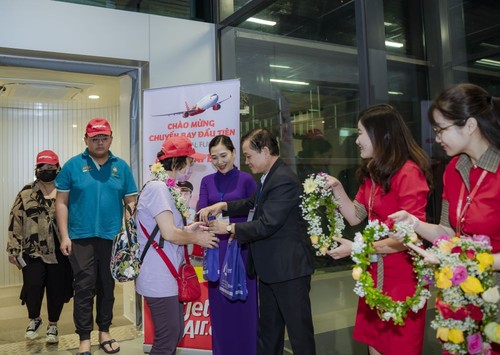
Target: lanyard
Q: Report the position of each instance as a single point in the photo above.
(258, 196)
(468, 200)
(217, 185)
(371, 200)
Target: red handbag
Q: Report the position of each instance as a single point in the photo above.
(187, 280)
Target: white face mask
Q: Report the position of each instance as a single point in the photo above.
(186, 175)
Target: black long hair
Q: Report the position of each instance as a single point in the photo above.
(462, 101)
(393, 145)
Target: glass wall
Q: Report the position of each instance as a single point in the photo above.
(198, 10)
(307, 67)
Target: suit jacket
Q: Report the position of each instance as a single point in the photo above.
(280, 248)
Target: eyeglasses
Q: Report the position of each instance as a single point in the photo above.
(96, 140)
(438, 131)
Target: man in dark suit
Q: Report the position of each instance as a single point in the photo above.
(279, 247)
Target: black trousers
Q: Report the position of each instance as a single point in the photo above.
(39, 277)
(286, 304)
(90, 258)
(167, 314)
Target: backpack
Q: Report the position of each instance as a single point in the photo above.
(125, 259)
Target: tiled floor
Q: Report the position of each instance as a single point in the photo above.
(333, 312)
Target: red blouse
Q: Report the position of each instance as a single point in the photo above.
(409, 191)
(483, 214)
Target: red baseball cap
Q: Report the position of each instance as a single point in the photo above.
(98, 126)
(47, 157)
(179, 146)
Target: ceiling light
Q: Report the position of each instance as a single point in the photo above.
(395, 93)
(393, 44)
(75, 126)
(489, 62)
(280, 66)
(94, 97)
(261, 22)
(288, 82)
(489, 45)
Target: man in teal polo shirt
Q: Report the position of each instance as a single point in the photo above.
(91, 190)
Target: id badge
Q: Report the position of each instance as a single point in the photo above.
(250, 215)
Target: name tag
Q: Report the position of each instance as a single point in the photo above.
(250, 215)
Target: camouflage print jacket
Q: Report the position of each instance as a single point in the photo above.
(32, 227)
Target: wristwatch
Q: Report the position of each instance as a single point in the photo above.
(229, 228)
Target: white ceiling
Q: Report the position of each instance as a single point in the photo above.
(48, 87)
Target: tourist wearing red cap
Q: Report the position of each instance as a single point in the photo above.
(33, 246)
(161, 204)
(91, 189)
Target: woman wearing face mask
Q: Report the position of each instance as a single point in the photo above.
(33, 246)
(161, 203)
(234, 323)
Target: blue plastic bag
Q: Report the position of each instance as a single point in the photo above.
(232, 282)
(241, 290)
(211, 270)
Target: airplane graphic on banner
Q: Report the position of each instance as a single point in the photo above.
(209, 101)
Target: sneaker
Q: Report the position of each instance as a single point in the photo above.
(32, 330)
(52, 333)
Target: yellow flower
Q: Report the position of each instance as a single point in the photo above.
(456, 336)
(492, 331)
(314, 239)
(445, 246)
(156, 167)
(455, 240)
(186, 214)
(442, 281)
(356, 273)
(472, 286)
(491, 295)
(309, 186)
(443, 277)
(442, 333)
(323, 250)
(485, 260)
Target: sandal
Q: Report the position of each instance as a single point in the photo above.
(108, 342)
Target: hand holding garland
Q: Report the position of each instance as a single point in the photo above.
(428, 232)
(386, 307)
(346, 206)
(467, 297)
(314, 198)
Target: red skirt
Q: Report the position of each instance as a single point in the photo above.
(384, 336)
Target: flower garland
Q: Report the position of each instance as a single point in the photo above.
(387, 308)
(467, 295)
(159, 173)
(316, 196)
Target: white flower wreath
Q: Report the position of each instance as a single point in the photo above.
(316, 196)
(387, 308)
(160, 174)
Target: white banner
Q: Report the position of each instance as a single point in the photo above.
(199, 112)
